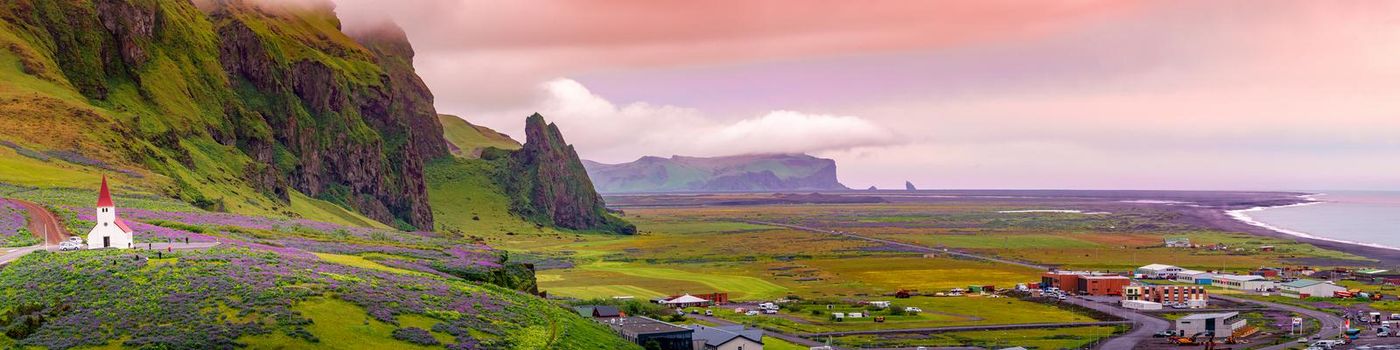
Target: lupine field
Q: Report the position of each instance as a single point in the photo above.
(12, 226)
(423, 289)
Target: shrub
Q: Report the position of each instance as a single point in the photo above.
(415, 335)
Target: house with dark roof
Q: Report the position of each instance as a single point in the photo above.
(606, 311)
(735, 337)
(643, 330)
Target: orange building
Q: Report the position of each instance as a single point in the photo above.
(1101, 285)
(1064, 280)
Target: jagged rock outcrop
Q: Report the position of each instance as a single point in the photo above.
(548, 184)
(909, 186)
(768, 172)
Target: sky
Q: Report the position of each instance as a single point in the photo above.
(1086, 94)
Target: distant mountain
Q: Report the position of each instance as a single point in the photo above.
(770, 172)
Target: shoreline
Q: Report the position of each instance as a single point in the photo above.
(1220, 218)
(1242, 215)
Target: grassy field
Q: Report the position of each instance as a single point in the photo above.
(470, 139)
(360, 262)
(319, 210)
(338, 325)
(708, 249)
(609, 279)
(938, 312)
(1061, 338)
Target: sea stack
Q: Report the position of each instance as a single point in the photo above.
(909, 186)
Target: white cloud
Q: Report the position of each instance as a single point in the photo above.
(604, 131)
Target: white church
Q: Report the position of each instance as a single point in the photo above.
(110, 231)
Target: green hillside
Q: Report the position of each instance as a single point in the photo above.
(226, 298)
(468, 140)
(301, 149)
(230, 106)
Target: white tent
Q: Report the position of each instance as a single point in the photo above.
(686, 300)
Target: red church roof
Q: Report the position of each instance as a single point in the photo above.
(104, 197)
(122, 224)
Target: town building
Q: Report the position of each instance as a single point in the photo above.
(1101, 285)
(735, 337)
(1081, 282)
(1158, 271)
(1178, 242)
(1186, 296)
(1303, 289)
(1063, 280)
(599, 311)
(685, 301)
(110, 231)
(1141, 305)
(1134, 293)
(1216, 325)
(1195, 277)
(643, 330)
(1268, 272)
(1245, 283)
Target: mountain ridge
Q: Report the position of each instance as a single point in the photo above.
(753, 172)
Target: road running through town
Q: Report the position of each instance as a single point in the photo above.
(1331, 324)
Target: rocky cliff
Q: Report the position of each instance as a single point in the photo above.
(548, 184)
(776, 172)
(221, 96)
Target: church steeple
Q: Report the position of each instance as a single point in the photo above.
(104, 196)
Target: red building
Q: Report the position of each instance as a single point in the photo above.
(1088, 283)
(1064, 280)
(1101, 285)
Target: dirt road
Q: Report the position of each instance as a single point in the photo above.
(43, 223)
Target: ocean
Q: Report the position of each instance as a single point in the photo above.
(1367, 218)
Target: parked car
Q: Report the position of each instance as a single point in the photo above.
(70, 246)
(751, 313)
(709, 312)
(1163, 334)
(913, 309)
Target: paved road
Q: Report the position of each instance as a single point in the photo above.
(914, 247)
(767, 332)
(1144, 326)
(17, 253)
(969, 328)
(44, 223)
(1331, 324)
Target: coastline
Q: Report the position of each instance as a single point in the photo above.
(1222, 219)
(1242, 215)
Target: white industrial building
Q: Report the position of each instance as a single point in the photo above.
(1158, 271)
(1243, 282)
(1141, 305)
(1309, 288)
(1218, 325)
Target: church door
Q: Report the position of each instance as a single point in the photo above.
(106, 242)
